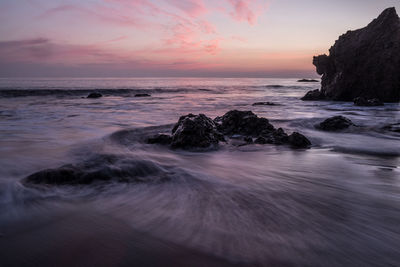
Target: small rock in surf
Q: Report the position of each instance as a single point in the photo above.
(313, 95)
(307, 81)
(94, 95)
(336, 123)
(298, 140)
(142, 95)
(362, 102)
(265, 104)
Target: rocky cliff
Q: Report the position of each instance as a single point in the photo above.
(363, 63)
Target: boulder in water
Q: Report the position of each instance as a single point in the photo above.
(307, 81)
(313, 95)
(363, 63)
(94, 95)
(276, 137)
(243, 123)
(195, 131)
(335, 124)
(298, 140)
(265, 104)
(142, 95)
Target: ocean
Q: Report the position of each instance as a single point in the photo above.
(335, 204)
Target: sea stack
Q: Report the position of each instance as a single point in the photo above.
(363, 63)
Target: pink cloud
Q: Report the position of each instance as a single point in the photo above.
(192, 8)
(103, 14)
(207, 27)
(239, 38)
(181, 30)
(242, 10)
(182, 26)
(212, 46)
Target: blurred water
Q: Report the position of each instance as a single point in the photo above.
(336, 204)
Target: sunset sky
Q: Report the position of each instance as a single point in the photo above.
(131, 38)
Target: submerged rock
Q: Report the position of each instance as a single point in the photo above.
(142, 95)
(94, 95)
(335, 124)
(361, 101)
(363, 63)
(313, 95)
(100, 168)
(307, 81)
(162, 139)
(195, 131)
(395, 127)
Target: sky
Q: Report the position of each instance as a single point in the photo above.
(174, 38)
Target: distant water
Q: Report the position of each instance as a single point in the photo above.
(336, 204)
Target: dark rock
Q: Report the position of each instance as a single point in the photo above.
(94, 95)
(361, 101)
(162, 139)
(307, 81)
(199, 131)
(364, 63)
(261, 140)
(392, 127)
(244, 123)
(274, 86)
(265, 104)
(276, 137)
(195, 131)
(335, 124)
(142, 95)
(279, 137)
(298, 140)
(100, 168)
(313, 95)
(248, 140)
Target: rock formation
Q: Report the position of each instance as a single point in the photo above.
(363, 63)
(199, 131)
